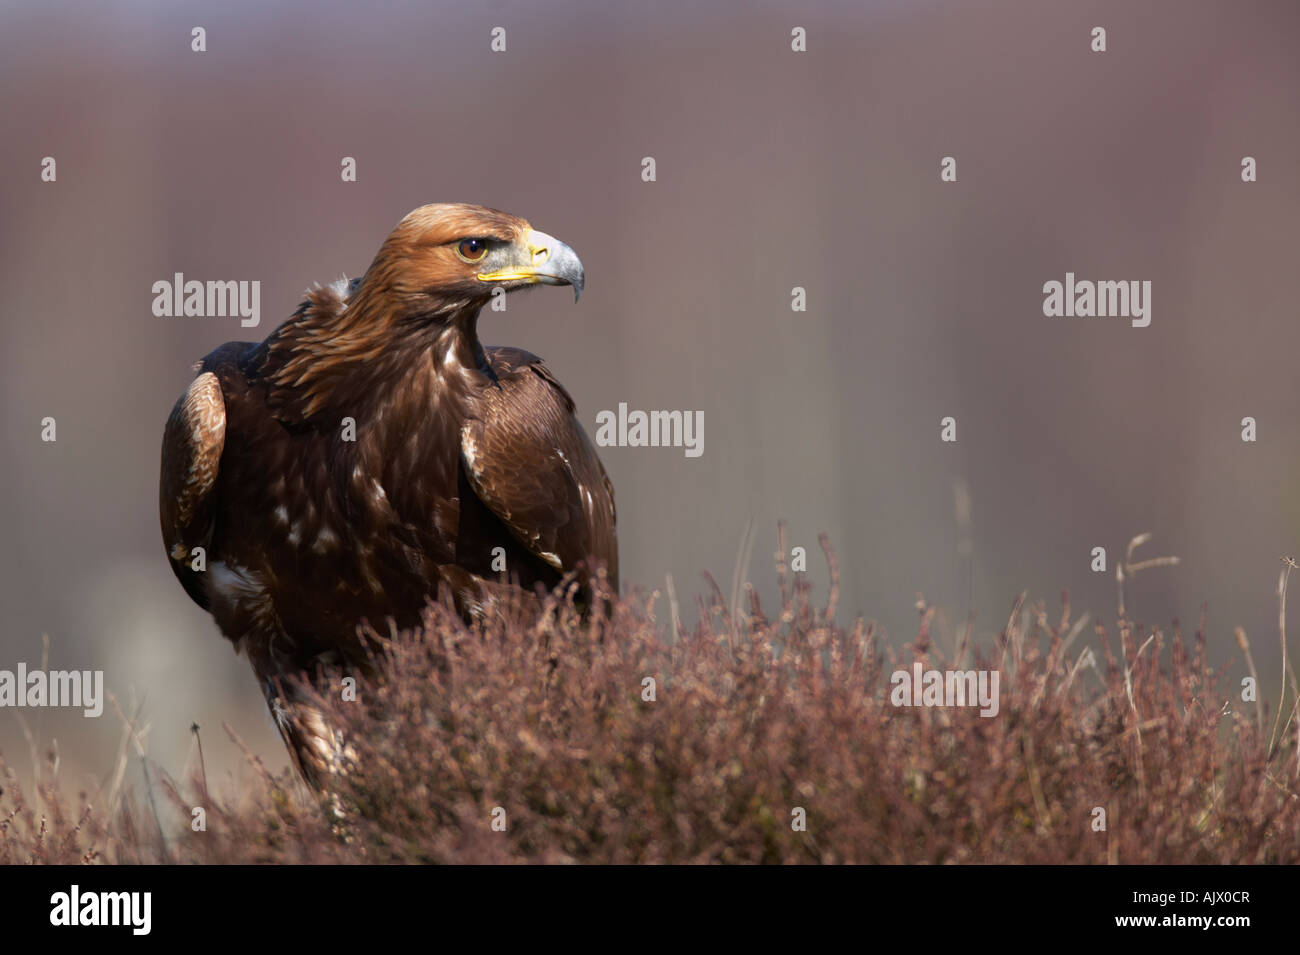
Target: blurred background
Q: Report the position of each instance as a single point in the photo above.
(775, 169)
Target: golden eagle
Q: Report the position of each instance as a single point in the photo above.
(371, 453)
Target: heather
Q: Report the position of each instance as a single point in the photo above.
(735, 733)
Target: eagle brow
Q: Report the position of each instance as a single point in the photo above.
(483, 237)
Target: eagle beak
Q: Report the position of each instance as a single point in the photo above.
(549, 262)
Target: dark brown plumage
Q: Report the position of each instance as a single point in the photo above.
(459, 449)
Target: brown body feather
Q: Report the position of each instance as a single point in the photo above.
(459, 451)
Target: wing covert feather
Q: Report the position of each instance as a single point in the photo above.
(529, 460)
(191, 455)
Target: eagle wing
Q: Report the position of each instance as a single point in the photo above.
(529, 460)
(191, 455)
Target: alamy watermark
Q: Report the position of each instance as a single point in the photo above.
(221, 299)
(921, 687)
(651, 429)
(1082, 298)
(55, 688)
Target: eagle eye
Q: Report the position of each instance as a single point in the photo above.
(471, 250)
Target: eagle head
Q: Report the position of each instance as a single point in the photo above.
(454, 251)
(420, 297)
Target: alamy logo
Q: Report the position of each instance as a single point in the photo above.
(208, 299)
(1084, 299)
(651, 429)
(921, 687)
(103, 908)
(83, 688)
